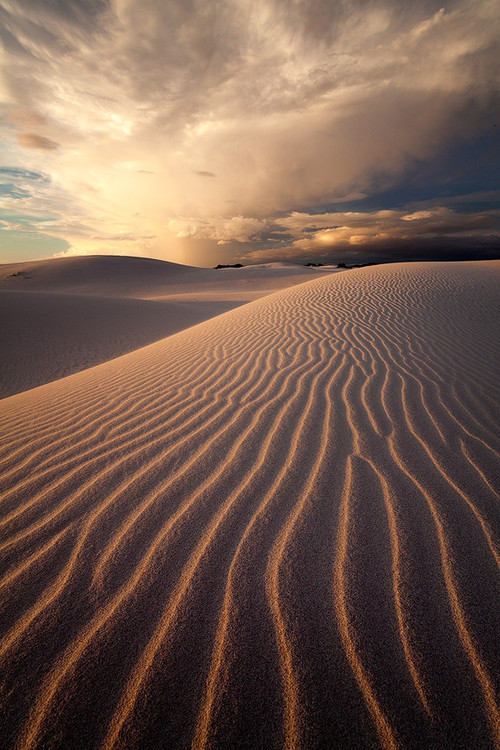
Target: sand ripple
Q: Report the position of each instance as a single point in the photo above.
(278, 528)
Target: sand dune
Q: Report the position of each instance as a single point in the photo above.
(99, 275)
(278, 528)
(45, 336)
(63, 315)
(146, 278)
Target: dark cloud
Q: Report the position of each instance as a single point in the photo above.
(37, 25)
(74, 12)
(204, 173)
(432, 233)
(399, 250)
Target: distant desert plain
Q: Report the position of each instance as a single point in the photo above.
(250, 507)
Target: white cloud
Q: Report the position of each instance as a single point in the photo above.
(238, 228)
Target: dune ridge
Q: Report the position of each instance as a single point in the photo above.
(64, 315)
(278, 528)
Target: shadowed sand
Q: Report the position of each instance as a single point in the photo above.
(278, 528)
(61, 316)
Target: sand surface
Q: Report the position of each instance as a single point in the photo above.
(61, 316)
(275, 529)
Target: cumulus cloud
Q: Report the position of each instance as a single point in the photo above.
(238, 229)
(351, 235)
(296, 104)
(71, 252)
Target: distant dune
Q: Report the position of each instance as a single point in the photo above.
(145, 278)
(100, 275)
(276, 529)
(63, 315)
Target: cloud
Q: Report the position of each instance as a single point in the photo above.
(238, 229)
(33, 140)
(71, 252)
(376, 234)
(24, 174)
(394, 223)
(123, 237)
(15, 193)
(18, 186)
(293, 106)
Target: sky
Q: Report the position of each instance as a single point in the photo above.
(222, 131)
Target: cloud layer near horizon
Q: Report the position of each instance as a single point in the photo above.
(192, 128)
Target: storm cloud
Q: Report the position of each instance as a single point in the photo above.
(297, 108)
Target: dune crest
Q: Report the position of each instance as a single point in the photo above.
(65, 315)
(278, 528)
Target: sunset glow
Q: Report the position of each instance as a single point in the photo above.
(204, 132)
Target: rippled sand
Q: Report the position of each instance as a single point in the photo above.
(278, 528)
(64, 315)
